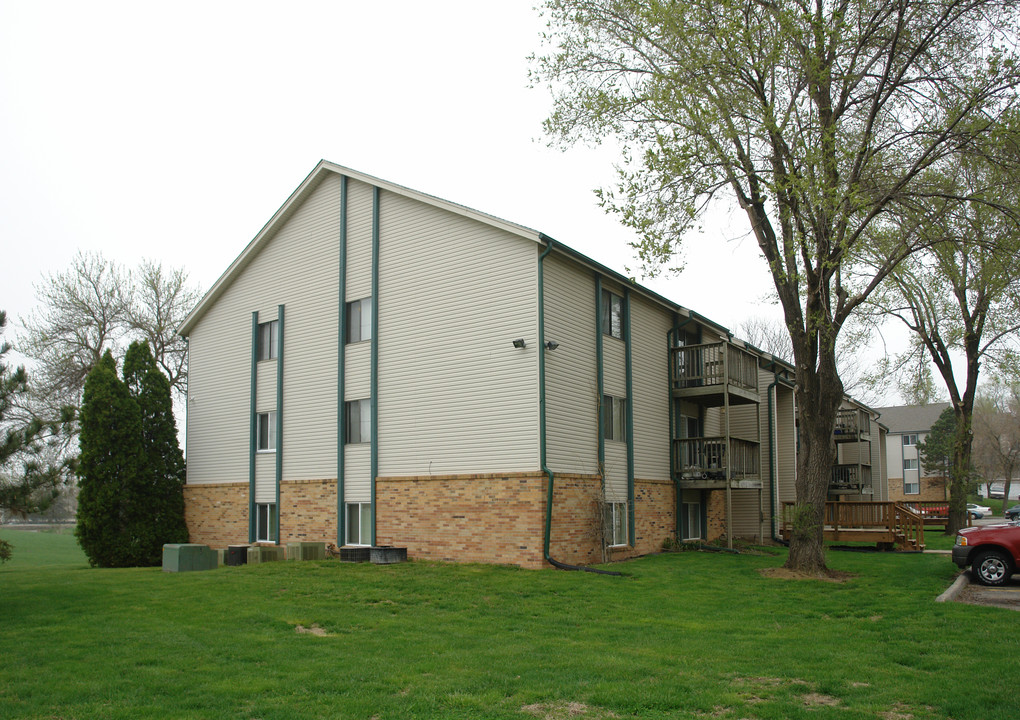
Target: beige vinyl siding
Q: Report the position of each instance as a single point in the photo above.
(298, 269)
(359, 240)
(358, 371)
(265, 477)
(616, 471)
(786, 446)
(455, 396)
(358, 472)
(571, 386)
(649, 326)
(614, 384)
(880, 465)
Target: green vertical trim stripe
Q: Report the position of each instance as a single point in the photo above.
(599, 380)
(279, 415)
(542, 458)
(252, 440)
(375, 349)
(341, 352)
(629, 362)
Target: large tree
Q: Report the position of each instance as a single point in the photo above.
(818, 117)
(997, 432)
(31, 475)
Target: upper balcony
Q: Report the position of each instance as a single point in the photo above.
(852, 425)
(851, 480)
(706, 462)
(705, 373)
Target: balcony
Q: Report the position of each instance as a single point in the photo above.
(850, 480)
(703, 462)
(705, 373)
(852, 425)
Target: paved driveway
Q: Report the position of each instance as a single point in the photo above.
(1007, 596)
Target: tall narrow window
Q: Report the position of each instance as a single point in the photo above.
(615, 521)
(614, 418)
(359, 421)
(612, 314)
(359, 320)
(269, 338)
(265, 522)
(359, 523)
(265, 430)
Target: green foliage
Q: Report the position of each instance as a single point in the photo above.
(936, 450)
(131, 469)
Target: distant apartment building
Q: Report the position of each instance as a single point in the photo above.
(909, 425)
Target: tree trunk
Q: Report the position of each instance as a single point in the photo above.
(960, 480)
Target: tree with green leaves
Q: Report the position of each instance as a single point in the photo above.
(31, 472)
(936, 450)
(818, 118)
(131, 470)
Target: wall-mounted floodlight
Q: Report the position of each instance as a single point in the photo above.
(551, 345)
(519, 343)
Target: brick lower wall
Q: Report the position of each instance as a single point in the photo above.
(931, 488)
(491, 518)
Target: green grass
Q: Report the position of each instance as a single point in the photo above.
(685, 635)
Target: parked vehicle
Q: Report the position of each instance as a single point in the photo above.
(992, 551)
(1013, 513)
(978, 511)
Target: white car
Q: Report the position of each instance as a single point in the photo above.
(978, 511)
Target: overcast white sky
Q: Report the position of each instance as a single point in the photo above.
(174, 131)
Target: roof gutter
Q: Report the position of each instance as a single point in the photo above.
(547, 532)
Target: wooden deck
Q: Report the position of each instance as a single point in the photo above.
(889, 524)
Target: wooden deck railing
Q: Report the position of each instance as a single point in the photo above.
(873, 521)
(850, 477)
(851, 424)
(707, 458)
(702, 365)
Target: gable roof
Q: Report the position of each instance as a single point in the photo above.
(324, 167)
(911, 418)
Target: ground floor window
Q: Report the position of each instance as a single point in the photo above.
(616, 523)
(911, 487)
(690, 513)
(265, 522)
(359, 523)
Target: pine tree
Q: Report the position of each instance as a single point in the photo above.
(109, 469)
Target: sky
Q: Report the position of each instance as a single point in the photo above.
(173, 133)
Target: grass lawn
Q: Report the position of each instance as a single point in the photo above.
(686, 635)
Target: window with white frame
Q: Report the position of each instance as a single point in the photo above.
(616, 523)
(359, 320)
(612, 314)
(359, 421)
(614, 418)
(265, 431)
(265, 522)
(359, 523)
(269, 340)
(909, 440)
(910, 463)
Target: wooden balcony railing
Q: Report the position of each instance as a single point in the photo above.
(706, 458)
(883, 522)
(850, 477)
(702, 365)
(851, 424)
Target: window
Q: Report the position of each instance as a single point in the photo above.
(269, 339)
(359, 523)
(359, 421)
(616, 523)
(612, 314)
(909, 440)
(265, 431)
(911, 488)
(265, 522)
(359, 320)
(910, 463)
(614, 418)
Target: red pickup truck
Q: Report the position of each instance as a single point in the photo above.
(992, 551)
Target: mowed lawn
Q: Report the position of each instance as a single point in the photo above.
(686, 635)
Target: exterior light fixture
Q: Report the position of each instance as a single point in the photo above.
(519, 343)
(551, 345)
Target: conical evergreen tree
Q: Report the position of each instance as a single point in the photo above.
(109, 467)
(161, 515)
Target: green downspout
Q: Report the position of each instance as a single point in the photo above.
(629, 363)
(341, 405)
(375, 350)
(279, 415)
(541, 402)
(252, 440)
(600, 383)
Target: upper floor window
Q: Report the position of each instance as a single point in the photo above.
(359, 421)
(614, 418)
(910, 464)
(909, 440)
(612, 314)
(265, 431)
(269, 340)
(359, 320)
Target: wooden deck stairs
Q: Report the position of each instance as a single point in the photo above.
(887, 524)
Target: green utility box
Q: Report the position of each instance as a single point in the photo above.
(264, 553)
(306, 551)
(185, 557)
